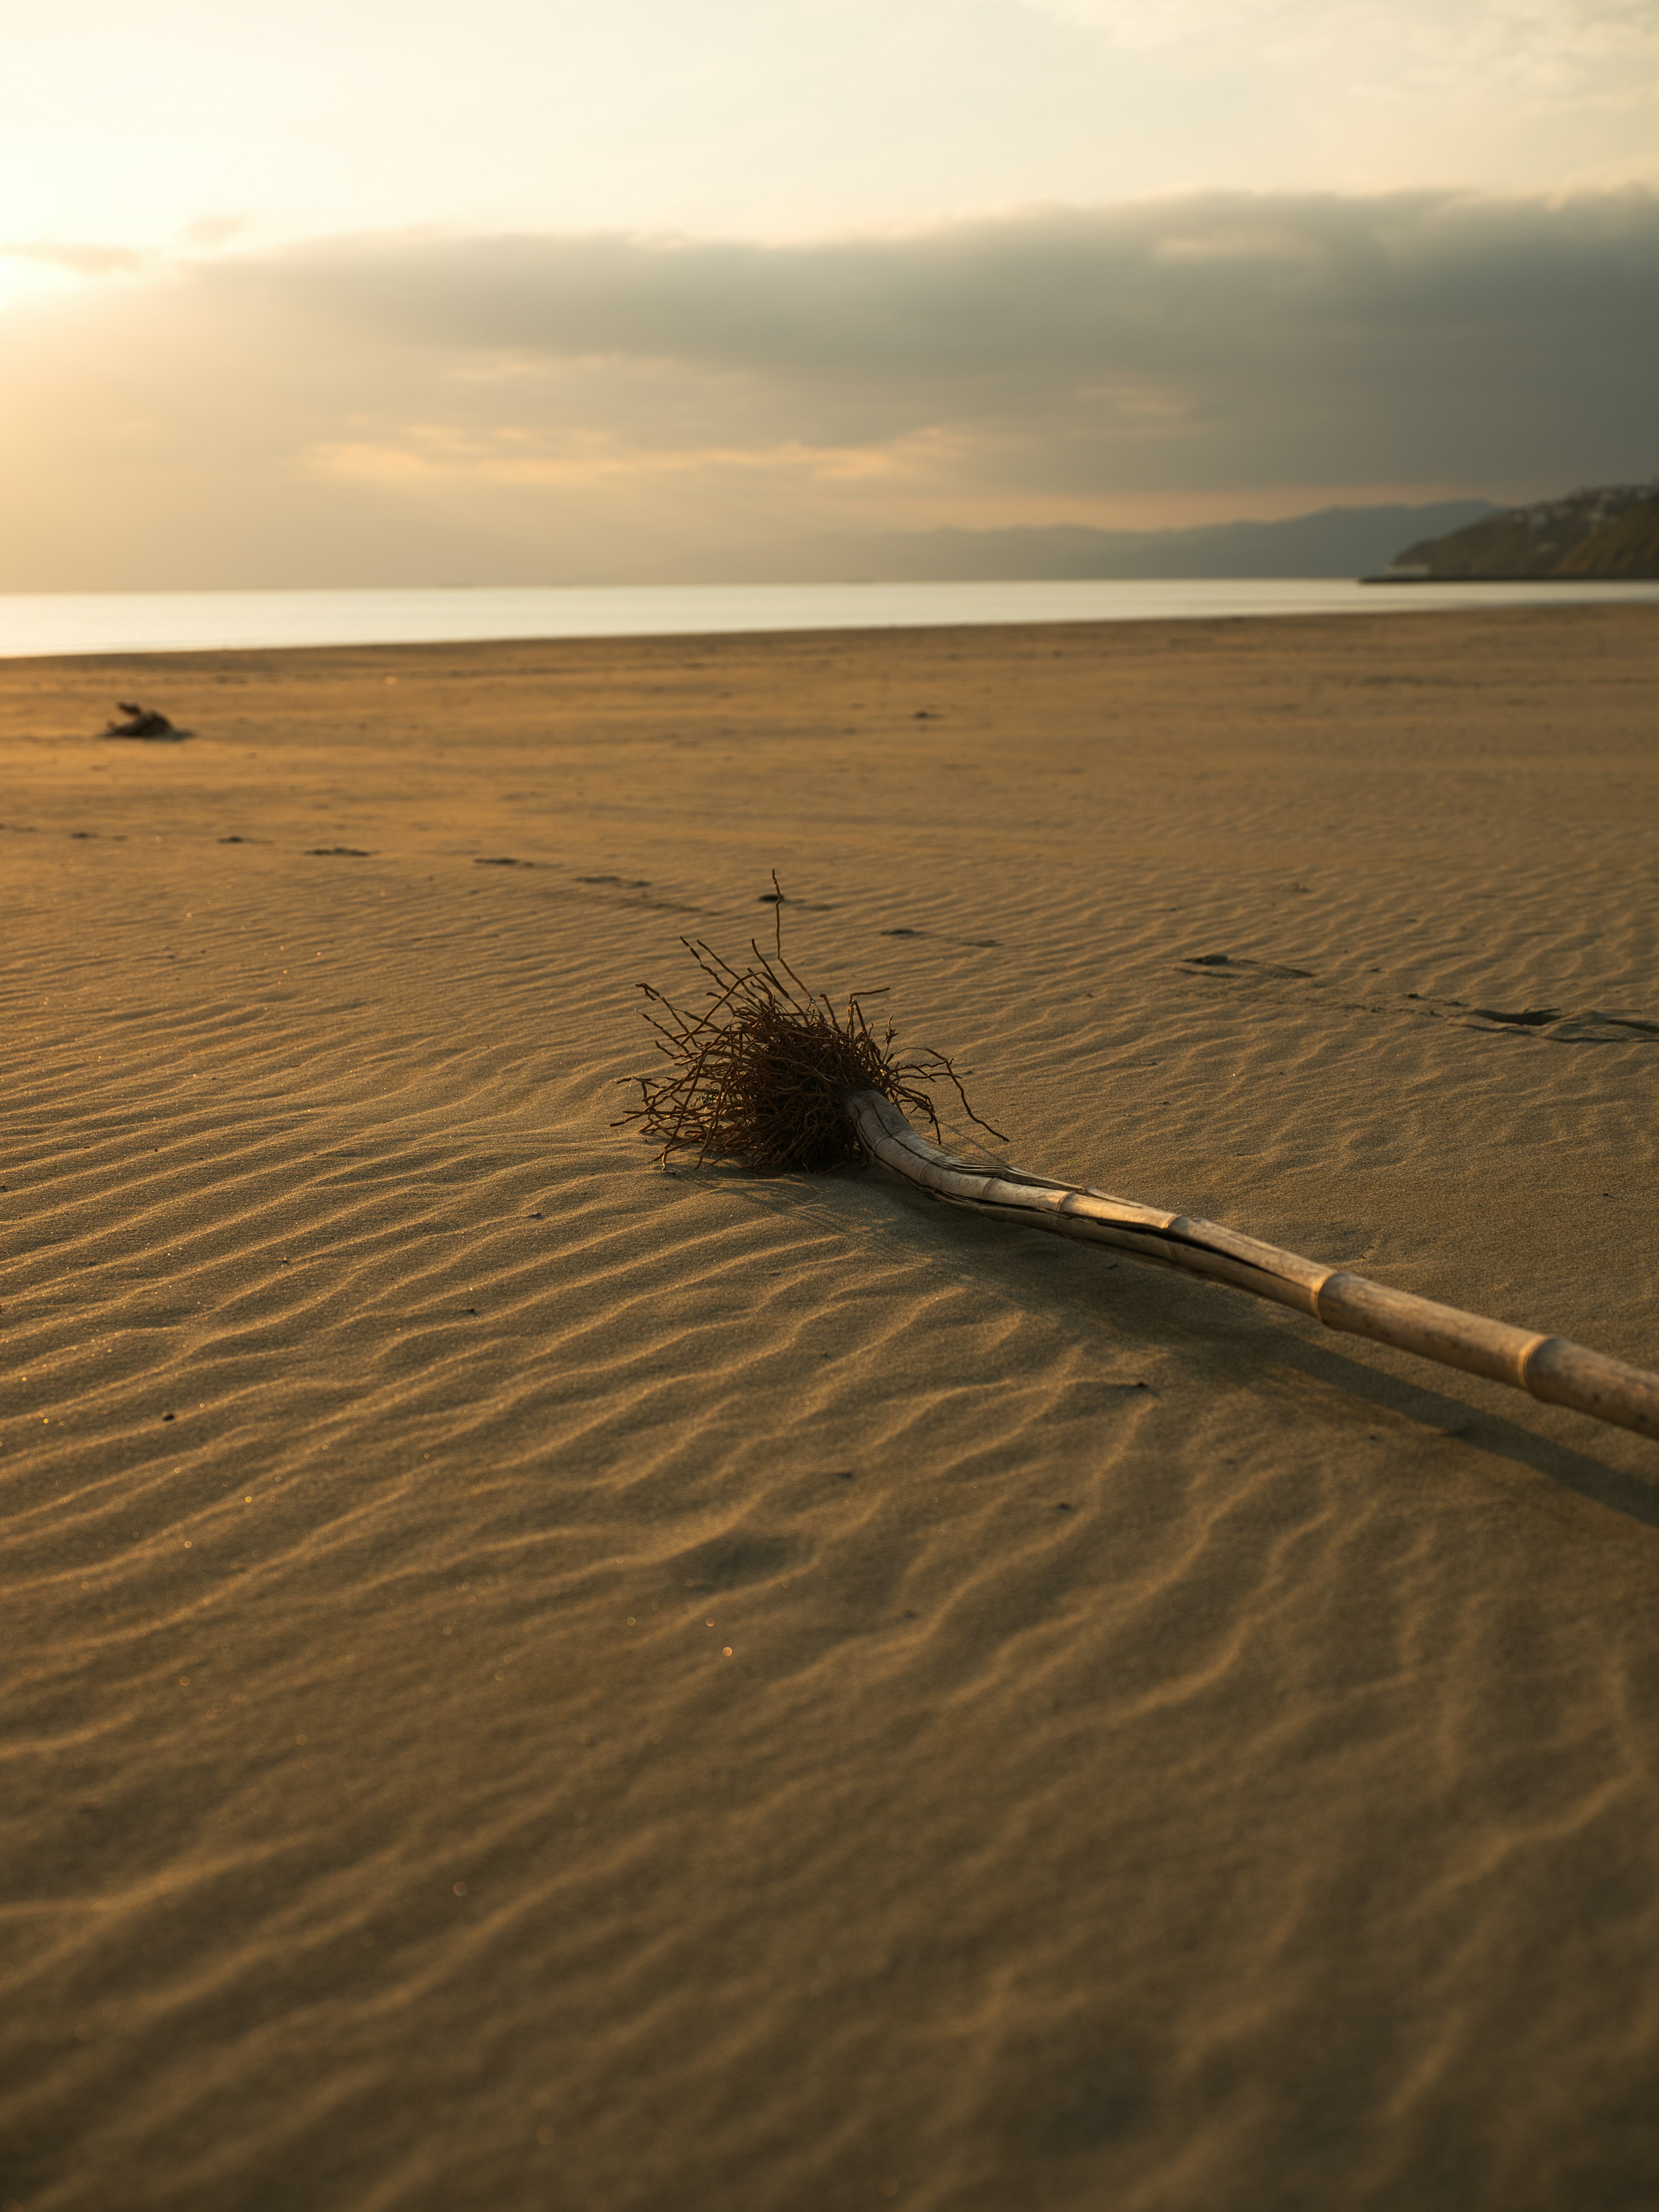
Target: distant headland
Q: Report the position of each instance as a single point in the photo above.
(1610, 533)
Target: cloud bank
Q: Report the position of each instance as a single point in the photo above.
(406, 409)
(1547, 39)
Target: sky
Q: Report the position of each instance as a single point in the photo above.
(376, 294)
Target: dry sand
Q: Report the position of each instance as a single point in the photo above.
(533, 1683)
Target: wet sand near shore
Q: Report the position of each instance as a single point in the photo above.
(533, 1682)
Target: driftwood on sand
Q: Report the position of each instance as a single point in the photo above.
(142, 722)
(769, 1073)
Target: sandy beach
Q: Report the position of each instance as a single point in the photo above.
(538, 1684)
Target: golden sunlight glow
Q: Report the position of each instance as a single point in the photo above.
(25, 279)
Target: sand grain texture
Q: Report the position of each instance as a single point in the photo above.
(538, 1683)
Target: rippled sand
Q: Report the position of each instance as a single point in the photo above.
(533, 1683)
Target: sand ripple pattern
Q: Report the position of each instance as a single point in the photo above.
(534, 1683)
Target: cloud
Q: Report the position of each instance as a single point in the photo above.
(1524, 38)
(1221, 337)
(556, 405)
(78, 260)
(207, 233)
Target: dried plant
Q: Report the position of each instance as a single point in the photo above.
(763, 1072)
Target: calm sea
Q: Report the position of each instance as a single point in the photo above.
(164, 622)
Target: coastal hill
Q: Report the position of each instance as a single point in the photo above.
(1611, 531)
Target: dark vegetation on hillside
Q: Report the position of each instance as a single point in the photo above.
(1609, 532)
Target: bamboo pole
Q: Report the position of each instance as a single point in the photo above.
(1551, 1368)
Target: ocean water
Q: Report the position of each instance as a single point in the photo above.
(36, 623)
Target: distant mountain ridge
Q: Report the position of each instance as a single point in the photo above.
(1336, 541)
(1608, 531)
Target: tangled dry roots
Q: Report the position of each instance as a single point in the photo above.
(762, 1074)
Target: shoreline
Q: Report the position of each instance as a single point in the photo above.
(1526, 582)
(66, 625)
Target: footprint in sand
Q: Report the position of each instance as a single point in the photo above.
(979, 944)
(1553, 1023)
(1628, 1027)
(1242, 969)
(1529, 1018)
(1558, 1028)
(732, 1562)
